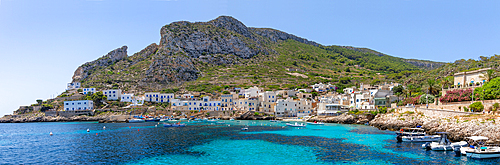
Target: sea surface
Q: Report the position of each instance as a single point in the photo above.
(210, 143)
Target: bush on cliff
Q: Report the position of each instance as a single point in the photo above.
(489, 90)
(495, 106)
(476, 107)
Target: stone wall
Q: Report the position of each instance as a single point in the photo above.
(438, 113)
(75, 113)
(454, 105)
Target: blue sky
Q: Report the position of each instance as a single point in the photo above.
(43, 42)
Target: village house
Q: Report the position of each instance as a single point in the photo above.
(88, 91)
(78, 105)
(73, 85)
(267, 101)
(470, 78)
(304, 108)
(113, 94)
(285, 108)
(228, 101)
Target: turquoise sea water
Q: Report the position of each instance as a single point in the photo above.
(209, 143)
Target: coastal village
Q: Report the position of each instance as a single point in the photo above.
(318, 100)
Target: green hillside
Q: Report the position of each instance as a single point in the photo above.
(204, 56)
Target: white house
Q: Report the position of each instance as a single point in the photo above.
(88, 90)
(304, 108)
(328, 109)
(285, 108)
(113, 94)
(73, 85)
(267, 101)
(198, 105)
(159, 97)
(127, 97)
(252, 92)
(78, 105)
(152, 96)
(228, 101)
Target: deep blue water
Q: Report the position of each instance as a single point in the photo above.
(206, 143)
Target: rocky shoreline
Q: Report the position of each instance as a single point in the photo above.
(458, 127)
(345, 118)
(49, 119)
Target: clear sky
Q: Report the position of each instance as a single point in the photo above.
(42, 42)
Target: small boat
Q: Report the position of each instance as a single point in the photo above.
(410, 132)
(220, 122)
(429, 138)
(135, 121)
(472, 142)
(231, 119)
(174, 125)
(316, 123)
(484, 152)
(296, 125)
(444, 144)
(238, 121)
(211, 121)
(152, 120)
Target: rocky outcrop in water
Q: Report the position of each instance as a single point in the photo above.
(345, 118)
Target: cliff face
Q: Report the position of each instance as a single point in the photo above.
(183, 45)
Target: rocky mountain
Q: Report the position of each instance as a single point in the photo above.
(225, 51)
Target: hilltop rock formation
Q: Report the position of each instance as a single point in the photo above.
(84, 71)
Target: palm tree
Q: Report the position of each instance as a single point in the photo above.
(431, 87)
(490, 75)
(445, 82)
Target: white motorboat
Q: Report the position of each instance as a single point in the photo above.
(296, 125)
(410, 132)
(231, 119)
(429, 138)
(444, 144)
(473, 141)
(316, 123)
(484, 152)
(136, 121)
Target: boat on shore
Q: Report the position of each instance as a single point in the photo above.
(136, 121)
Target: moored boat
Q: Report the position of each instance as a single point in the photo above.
(135, 120)
(316, 123)
(429, 138)
(296, 125)
(443, 144)
(472, 142)
(174, 125)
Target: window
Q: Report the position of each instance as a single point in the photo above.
(72, 103)
(84, 102)
(67, 103)
(67, 108)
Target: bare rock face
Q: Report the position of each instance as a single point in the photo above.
(83, 71)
